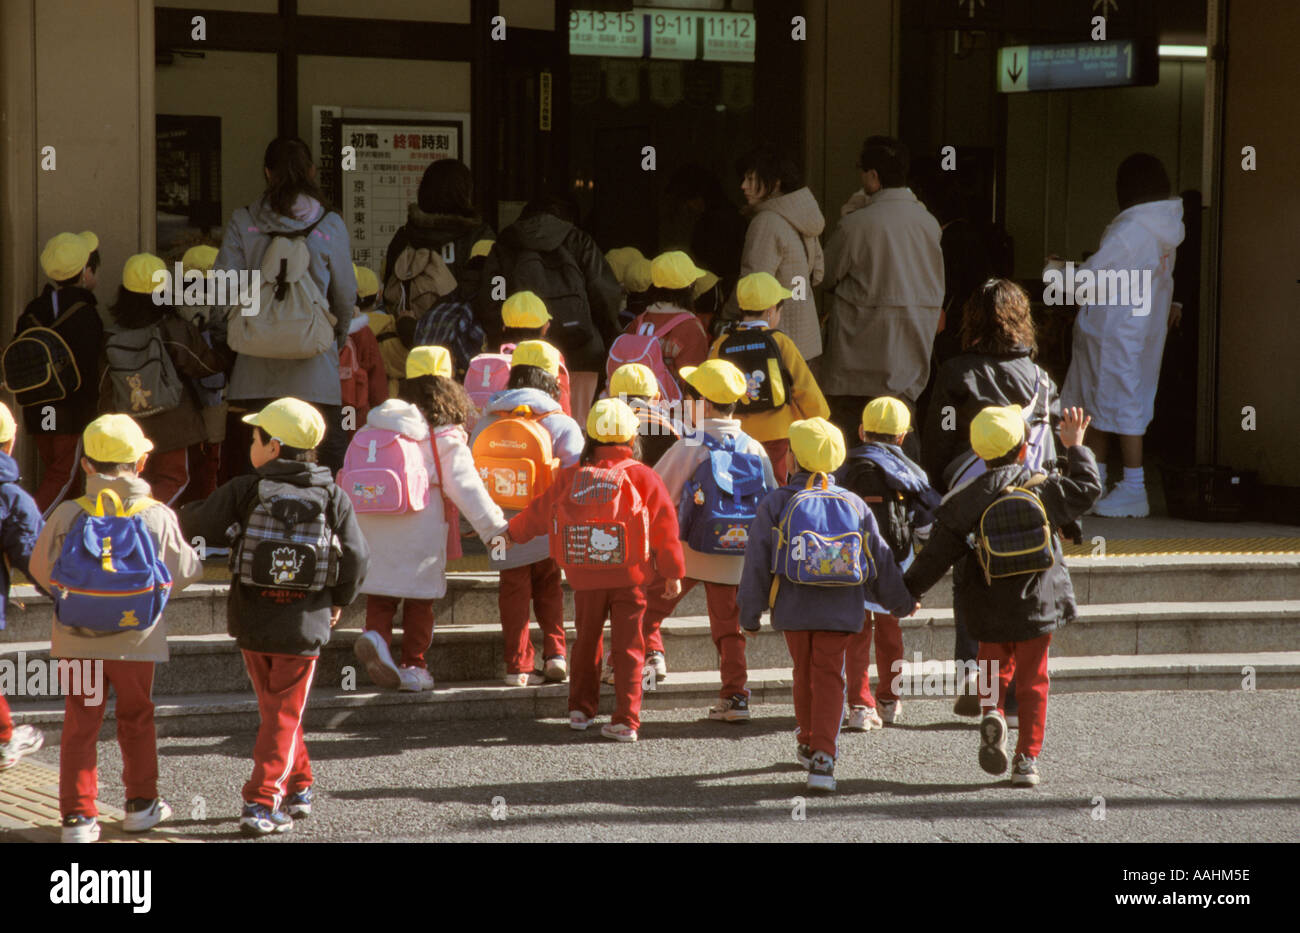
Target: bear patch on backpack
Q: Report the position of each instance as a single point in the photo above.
(108, 576)
(287, 542)
(602, 521)
(721, 499)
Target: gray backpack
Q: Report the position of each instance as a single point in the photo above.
(140, 369)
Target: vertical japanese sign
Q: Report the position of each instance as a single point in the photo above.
(391, 156)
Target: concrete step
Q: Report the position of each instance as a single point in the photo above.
(470, 653)
(233, 713)
(472, 597)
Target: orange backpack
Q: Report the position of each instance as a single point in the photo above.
(514, 458)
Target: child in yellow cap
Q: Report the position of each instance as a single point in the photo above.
(299, 561)
(1013, 589)
(419, 437)
(781, 389)
(669, 318)
(56, 411)
(899, 494)
(530, 399)
(363, 375)
(20, 525)
(525, 318)
(830, 559)
(617, 528)
(153, 360)
(637, 385)
(116, 452)
(714, 535)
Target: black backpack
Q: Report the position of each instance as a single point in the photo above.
(890, 506)
(756, 354)
(556, 278)
(38, 366)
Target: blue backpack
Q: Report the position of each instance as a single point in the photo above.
(819, 538)
(109, 577)
(721, 498)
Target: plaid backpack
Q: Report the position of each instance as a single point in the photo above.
(451, 323)
(1014, 536)
(287, 542)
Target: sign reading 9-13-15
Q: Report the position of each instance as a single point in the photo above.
(1071, 65)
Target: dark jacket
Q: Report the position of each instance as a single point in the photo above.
(583, 351)
(193, 358)
(84, 334)
(968, 383)
(900, 496)
(436, 231)
(1017, 608)
(20, 526)
(966, 266)
(281, 621)
(803, 608)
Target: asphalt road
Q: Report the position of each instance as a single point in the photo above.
(1174, 767)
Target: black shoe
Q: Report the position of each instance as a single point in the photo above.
(993, 743)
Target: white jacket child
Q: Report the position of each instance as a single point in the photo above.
(408, 551)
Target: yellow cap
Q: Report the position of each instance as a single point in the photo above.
(524, 309)
(621, 259)
(759, 291)
(996, 431)
(817, 444)
(637, 278)
(480, 248)
(143, 273)
(719, 381)
(674, 269)
(537, 353)
(7, 426)
(200, 258)
(886, 415)
(428, 361)
(90, 239)
(65, 255)
(634, 379)
(612, 421)
(115, 439)
(703, 284)
(290, 421)
(367, 281)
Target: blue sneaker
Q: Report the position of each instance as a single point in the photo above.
(299, 805)
(259, 820)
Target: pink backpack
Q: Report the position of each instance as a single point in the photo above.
(488, 374)
(384, 472)
(645, 346)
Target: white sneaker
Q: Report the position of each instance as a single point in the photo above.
(655, 661)
(891, 711)
(24, 741)
(146, 815)
(618, 732)
(77, 828)
(557, 669)
(863, 719)
(415, 679)
(524, 679)
(821, 774)
(579, 721)
(372, 651)
(1126, 500)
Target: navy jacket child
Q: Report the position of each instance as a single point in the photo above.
(1012, 616)
(20, 526)
(817, 620)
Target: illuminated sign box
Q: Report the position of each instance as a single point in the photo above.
(1074, 65)
(682, 35)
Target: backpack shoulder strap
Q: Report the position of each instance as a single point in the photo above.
(67, 313)
(1036, 480)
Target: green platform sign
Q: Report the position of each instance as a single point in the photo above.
(1071, 65)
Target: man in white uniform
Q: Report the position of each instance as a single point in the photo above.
(1124, 292)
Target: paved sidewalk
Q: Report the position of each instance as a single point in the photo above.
(1174, 766)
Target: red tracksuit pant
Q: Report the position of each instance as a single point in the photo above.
(168, 474)
(818, 686)
(62, 475)
(889, 653)
(1027, 662)
(280, 763)
(625, 609)
(417, 625)
(6, 722)
(778, 451)
(724, 627)
(132, 681)
(540, 583)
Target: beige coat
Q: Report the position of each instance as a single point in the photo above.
(149, 644)
(884, 292)
(782, 239)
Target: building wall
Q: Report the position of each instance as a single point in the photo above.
(1259, 337)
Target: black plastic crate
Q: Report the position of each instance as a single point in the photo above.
(1209, 493)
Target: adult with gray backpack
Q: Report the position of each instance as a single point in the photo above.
(544, 252)
(288, 342)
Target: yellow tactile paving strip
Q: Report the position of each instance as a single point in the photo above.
(1120, 547)
(29, 808)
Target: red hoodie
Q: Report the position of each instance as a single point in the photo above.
(665, 540)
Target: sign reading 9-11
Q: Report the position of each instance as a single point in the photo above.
(683, 35)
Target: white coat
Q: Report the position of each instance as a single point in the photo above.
(408, 551)
(1116, 354)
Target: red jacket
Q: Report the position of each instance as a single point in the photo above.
(665, 540)
(371, 360)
